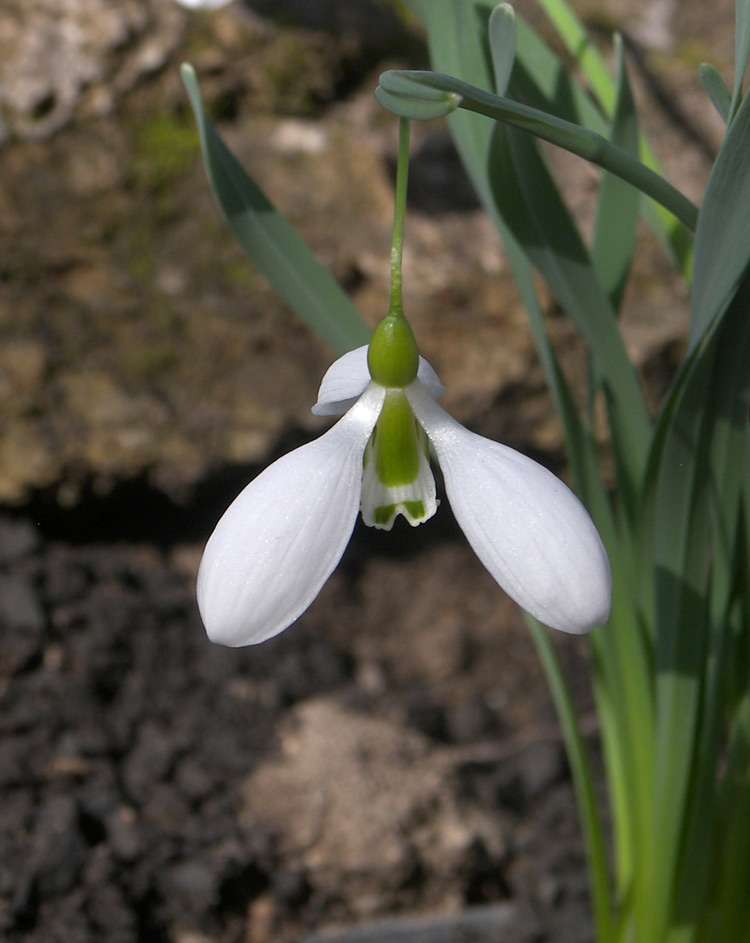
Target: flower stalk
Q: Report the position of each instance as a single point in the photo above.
(284, 534)
(397, 247)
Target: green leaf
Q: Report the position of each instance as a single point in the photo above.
(722, 249)
(582, 48)
(542, 80)
(502, 39)
(741, 48)
(532, 208)
(458, 44)
(620, 679)
(617, 210)
(696, 479)
(272, 243)
(716, 89)
(731, 911)
(533, 211)
(580, 45)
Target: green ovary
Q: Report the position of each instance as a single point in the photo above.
(393, 357)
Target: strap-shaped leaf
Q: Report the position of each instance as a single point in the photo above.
(458, 45)
(502, 39)
(578, 42)
(272, 243)
(580, 45)
(722, 248)
(716, 89)
(533, 209)
(731, 903)
(542, 80)
(621, 680)
(617, 210)
(697, 477)
(741, 48)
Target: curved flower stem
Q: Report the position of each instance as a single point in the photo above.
(405, 90)
(393, 355)
(402, 176)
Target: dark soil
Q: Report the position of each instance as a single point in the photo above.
(135, 756)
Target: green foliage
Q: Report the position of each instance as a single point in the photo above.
(274, 245)
(676, 523)
(716, 89)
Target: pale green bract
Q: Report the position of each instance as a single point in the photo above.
(283, 536)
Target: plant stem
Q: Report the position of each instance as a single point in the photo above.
(402, 176)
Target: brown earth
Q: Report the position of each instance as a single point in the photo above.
(394, 755)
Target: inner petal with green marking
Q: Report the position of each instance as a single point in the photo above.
(397, 478)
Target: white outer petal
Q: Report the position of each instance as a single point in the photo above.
(527, 527)
(346, 379)
(282, 537)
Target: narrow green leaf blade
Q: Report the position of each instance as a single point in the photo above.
(617, 210)
(716, 89)
(502, 37)
(457, 41)
(722, 248)
(574, 35)
(579, 43)
(732, 905)
(621, 673)
(272, 243)
(697, 482)
(741, 45)
(541, 80)
(532, 208)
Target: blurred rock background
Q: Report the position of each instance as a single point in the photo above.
(135, 338)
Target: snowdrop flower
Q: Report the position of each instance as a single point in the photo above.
(283, 536)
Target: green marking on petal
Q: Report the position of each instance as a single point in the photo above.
(414, 511)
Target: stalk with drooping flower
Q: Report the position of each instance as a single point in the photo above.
(282, 537)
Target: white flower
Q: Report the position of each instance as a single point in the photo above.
(283, 536)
